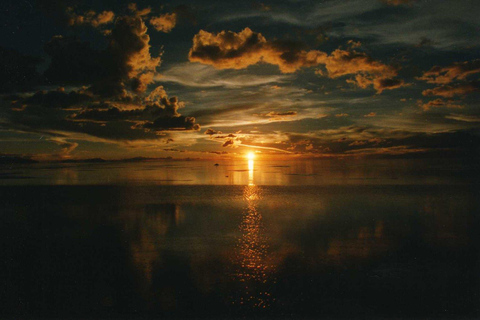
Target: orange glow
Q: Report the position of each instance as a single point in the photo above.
(250, 156)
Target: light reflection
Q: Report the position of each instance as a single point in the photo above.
(250, 172)
(253, 266)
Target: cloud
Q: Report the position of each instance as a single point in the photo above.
(57, 99)
(231, 50)
(67, 147)
(354, 44)
(89, 18)
(178, 123)
(229, 143)
(449, 91)
(211, 132)
(129, 51)
(381, 84)
(158, 112)
(125, 64)
(165, 22)
(277, 116)
(457, 71)
(139, 12)
(227, 140)
(463, 118)
(371, 114)
(206, 76)
(110, 106)
(364, 141)
(367, 71)
(438, 103)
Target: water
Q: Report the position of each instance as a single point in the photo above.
(293, 239)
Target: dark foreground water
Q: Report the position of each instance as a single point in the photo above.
(314, 240)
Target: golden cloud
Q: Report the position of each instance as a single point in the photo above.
(231, 50)
(165, 22)
(457, 71)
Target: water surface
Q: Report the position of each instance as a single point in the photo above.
(389, 239)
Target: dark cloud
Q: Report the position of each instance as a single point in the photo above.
(111, 104)
(159, 115)
(129, 59)
(356, 140)
(229, 142)
(125, 63)
(57, 99)
(115, 114)
(381, 84)
(210, 132)
(277, 116)
(172, 123)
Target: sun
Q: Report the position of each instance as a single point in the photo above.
(250, 155)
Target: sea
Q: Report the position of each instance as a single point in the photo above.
(241, 239)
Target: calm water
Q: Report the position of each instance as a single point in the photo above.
(292, 239)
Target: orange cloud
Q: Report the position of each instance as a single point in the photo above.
(130, 45)
(90, 18)
(343, 62)
(165, 22)
(231, 50)
(448, 91)
(367, 71)
(139, 12)
(438, 103)
(457, 71)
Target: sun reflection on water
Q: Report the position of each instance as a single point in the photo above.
(253, 268)
(250, 172)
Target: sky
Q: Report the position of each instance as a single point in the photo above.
(217, 79)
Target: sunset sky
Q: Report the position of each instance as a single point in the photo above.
(218, 79)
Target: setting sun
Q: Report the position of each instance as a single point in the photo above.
(240, 159)
(250, 156)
